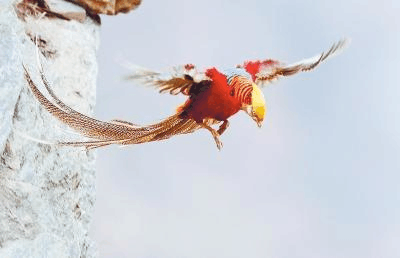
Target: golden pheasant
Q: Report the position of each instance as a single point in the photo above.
(213, 97)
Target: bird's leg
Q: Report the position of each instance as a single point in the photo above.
(215, 134)
(223, 127)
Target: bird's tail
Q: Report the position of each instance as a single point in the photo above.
(165, 129)
(114, 132)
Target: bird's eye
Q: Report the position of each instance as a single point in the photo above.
(232, 93)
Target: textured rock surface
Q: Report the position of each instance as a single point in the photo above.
(109, 7)
(46, 193)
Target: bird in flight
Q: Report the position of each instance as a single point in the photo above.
(213, 96)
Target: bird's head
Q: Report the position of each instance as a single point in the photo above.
(257, 108)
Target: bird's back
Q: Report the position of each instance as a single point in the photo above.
(216, 101)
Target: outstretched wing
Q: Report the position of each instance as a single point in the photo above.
(180, 80)
(268, 70)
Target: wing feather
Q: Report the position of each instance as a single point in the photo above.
(179, 81)
(277, 70)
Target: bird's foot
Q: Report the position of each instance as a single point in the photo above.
(223, 127)
(218, 141)
(215, 135)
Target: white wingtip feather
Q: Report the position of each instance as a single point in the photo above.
(337, 48)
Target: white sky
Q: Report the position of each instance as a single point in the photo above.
(320, 179)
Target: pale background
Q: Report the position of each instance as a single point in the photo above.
(320, 179)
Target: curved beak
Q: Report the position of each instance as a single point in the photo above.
(249, 111)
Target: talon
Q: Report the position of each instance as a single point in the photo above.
(219, 143)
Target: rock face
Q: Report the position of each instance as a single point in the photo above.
(109, 7)
(47, 193)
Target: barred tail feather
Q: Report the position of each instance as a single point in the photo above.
(85, 125)
(90, 144)
(116, 132)
(174, 125)
(171, 126)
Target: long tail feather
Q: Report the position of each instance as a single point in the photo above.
(85, 125)
(104, 133)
